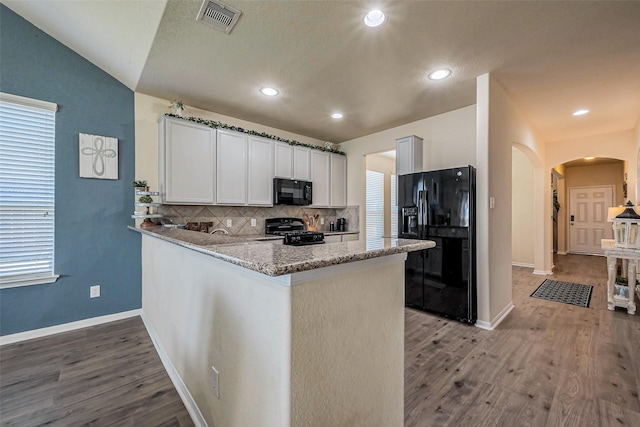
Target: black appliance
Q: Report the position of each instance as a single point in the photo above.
(342, 224)
(292, 229)
(280, 226)
(300, 238)
(292, 192)
(440, 206)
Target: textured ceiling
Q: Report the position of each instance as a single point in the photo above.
(551, 57)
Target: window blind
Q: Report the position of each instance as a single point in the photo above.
(375, 203)
(27, 190)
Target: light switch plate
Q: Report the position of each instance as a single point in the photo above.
(253, 222)
(229, 223)
(94, 291)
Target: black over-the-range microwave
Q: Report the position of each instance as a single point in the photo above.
(292, 192)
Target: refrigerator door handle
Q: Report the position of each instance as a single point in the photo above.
(422, 213)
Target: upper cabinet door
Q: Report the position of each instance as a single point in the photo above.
(320, 177)
(338, 181)
(186, 160)
(302, 163)
(283, 165)
(260, 172)
(408, 155)
(231, 168)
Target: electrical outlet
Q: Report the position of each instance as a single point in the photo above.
(321, 221)
(94, 291)
(229, 223)
(253, 222)
(214, 382)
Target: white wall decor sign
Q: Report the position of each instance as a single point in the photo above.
(98, 157)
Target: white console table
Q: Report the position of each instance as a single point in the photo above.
(620, 295)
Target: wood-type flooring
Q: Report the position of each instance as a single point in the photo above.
(105, 375)
(546, 364)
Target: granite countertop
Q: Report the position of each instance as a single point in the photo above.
(267, 254)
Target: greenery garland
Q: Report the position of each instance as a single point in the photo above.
(219, 125)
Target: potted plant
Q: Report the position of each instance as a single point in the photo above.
(622, 289)
(145, 199)
(140, 185)
(177, 106)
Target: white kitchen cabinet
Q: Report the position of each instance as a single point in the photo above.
(332, 239)
(231, 168)
(337, 238)
(260, 166)
(338, 181)
(186, 157)
(408, 155)
(350, 237)
(302, 163)
(321, 178)
(283, 160)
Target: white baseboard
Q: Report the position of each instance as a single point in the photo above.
(522, 264)
(66, 327)
(543, 272)
(180, 386)
(561, 252)
(490, 326)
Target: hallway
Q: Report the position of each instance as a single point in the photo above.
(547, 364)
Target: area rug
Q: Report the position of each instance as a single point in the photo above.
(564, 292)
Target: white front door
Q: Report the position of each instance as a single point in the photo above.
(588, 218)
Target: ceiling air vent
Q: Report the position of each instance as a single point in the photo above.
(218, 15)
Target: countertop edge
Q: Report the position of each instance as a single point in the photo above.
(273, 269)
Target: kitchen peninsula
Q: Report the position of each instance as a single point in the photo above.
(300, 335)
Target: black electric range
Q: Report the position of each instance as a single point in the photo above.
(292, 229)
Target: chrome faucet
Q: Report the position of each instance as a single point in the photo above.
(219, 229)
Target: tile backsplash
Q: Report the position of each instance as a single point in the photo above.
(241, 216)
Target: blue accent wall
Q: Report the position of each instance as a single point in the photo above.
(92, 242)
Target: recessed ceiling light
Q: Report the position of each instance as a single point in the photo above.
(440, 74)
(589, 158)
(374, 18)
(269, 91)
(337, 115)
(580, 112)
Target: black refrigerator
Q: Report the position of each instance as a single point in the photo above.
(440, 206)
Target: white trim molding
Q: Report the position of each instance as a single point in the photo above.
(66, 327)
(522, 264)
(181, 388)
(543, 272)
(490, 326)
